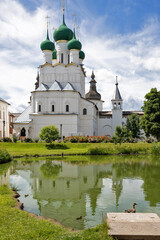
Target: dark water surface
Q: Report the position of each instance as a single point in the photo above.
(66, 190)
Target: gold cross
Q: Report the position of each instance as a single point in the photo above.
(63, 5)
(78, 31)
(74, 16)
(47, 19)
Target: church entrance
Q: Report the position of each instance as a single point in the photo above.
(23, 132)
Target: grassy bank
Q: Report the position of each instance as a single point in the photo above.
(22, 149)
(19, 225)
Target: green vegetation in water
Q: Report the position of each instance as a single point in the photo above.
(19, 225)
(50, 170)
(4, 156)
(155, 149)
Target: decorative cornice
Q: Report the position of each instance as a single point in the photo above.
(75, 50)
(47, 51)
(61, 41)
(46, 65)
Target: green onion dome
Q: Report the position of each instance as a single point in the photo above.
(74, 43)
(47, 44)
(54, 54)
(81, 55)
(63, 32)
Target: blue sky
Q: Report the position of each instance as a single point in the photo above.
(119, 37)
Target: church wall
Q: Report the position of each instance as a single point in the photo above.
(105, 126)
(69, 124)
(4, 120)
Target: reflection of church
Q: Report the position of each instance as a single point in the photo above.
(66, 196)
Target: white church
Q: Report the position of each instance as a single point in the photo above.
(59, 97)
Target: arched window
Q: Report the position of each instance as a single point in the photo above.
(68, 59)
(67, 108)
(39, 108)
(84, 111)
(114, 105)
(61, 57)
(23, 132)
(52, 108)
(119, 105)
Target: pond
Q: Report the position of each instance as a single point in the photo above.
(66, 190)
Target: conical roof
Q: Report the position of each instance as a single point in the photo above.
(117, 95)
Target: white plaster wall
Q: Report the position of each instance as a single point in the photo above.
(63, 74)
(69, 123)
(99, 104)
(47, 56)
(4, 116)
(116, 119)
(105, 126)
(62, 49)
(74, 56)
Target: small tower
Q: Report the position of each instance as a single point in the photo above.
(116, 108)
(93, 95)
(47, 48)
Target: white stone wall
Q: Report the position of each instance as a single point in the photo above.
(105, 126)
(4, 120)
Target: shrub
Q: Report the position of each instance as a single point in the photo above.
(14, 138)
(155, 149)
(28, 140)
(4, 156)
(7, 139)
(87, 139)
(97, 151)
(49, 133)
(36, 140)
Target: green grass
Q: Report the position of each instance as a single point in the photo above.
(19, 225)
(32, 149)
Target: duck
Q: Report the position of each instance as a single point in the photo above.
(133, 210)
(79, 218)
(26, 195)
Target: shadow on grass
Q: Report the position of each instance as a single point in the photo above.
(52, 146)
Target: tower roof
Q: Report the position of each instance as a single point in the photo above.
(47, 44)
(117, 95)
(63, 32)
(74, 43)
(93, 94)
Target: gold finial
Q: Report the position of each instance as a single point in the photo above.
(78, 32)
(47, 19)
(63, 5)
(116, 80)
(74, 16)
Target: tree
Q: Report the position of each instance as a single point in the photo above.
(49, 133)
(121, 135)
(150, 122)
(133, 125)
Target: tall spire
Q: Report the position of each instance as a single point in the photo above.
(117, 95)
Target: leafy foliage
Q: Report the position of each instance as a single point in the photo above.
(4, 156)
(7, 139)
(150, 121)
(121, 135)
(50, 170)
(49, 133)
(133, 125)
(87, 139)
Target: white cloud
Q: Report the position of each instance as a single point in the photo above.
(135, 57)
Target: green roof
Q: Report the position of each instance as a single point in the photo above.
(63, 32)
(47, 44)
(81, 55)
(54, 54)
(74, 43)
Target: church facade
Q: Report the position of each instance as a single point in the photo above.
(59, 97)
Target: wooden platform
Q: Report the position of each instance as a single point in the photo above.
(134, 226)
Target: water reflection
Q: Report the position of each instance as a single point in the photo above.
(67, 190)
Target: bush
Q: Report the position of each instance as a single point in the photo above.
(28, 140)
(36, 140)
(14, 138)
(4, 156)
(49, 133)
(7, 139)
(97, 151)
(155, 149)
(87, 139)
